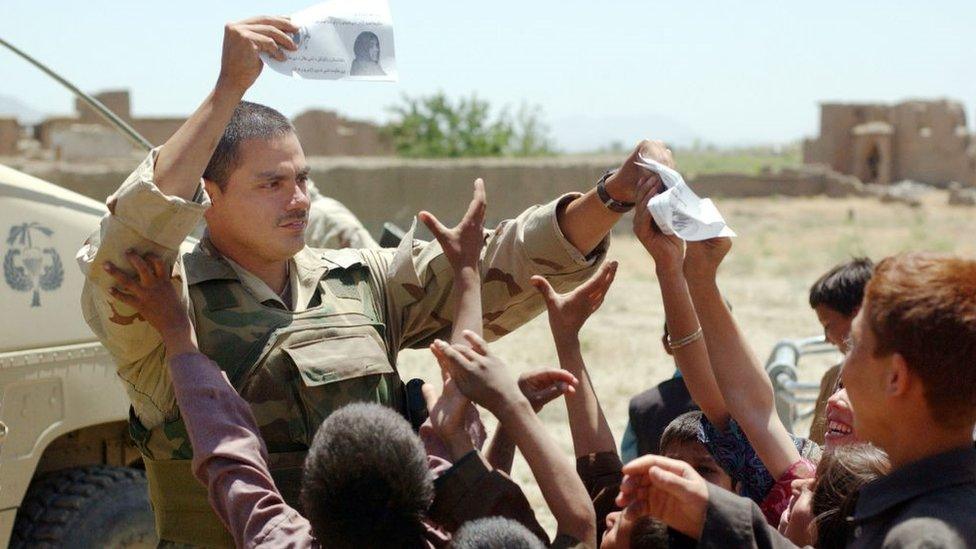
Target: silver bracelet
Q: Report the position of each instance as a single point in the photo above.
(685, 341)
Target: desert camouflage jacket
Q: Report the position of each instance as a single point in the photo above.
(405, 290)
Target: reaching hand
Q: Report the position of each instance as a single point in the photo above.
(703, 258)
(568, 312)
(151, 292)
(462, 244)
(545, 384)
(453, 419)
(668, 490)
(480, 376)
(241, 63)
(667, 250)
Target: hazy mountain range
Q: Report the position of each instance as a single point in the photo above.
(585, 133)
(24, 113)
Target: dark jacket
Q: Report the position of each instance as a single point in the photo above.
(929, 503)
(651, 412)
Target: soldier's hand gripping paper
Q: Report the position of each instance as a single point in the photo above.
(678, 210)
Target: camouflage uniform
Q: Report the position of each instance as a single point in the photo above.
(331, 225)
(351, 312)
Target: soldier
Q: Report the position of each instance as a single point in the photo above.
(299, 331)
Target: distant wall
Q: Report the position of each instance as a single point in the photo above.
(391, 189)
(325, 133)
(9, 135)
(157, 130)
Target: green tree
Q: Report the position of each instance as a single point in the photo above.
(435, 127)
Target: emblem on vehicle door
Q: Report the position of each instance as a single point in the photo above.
(28, 267)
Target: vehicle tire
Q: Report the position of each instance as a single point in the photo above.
(95, 506)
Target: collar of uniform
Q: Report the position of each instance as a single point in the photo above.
(205, 263)
(916, 479)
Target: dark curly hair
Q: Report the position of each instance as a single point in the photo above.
(366, 482)
(495, 533)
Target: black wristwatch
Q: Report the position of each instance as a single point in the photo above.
(608, 201)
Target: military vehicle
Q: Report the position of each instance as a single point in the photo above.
(69, 475)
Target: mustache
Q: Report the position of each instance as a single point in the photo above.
(297, 216)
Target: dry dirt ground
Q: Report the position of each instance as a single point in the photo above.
(783, 245)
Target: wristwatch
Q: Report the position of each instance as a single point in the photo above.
(608, 201)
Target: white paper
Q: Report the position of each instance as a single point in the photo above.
(678, 210)
(341, 40)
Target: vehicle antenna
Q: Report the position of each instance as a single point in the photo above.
(113, 119)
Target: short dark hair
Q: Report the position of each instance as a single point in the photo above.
(842, 287)
(923, 307)
(366, 481)
(649, 533)
(249, 121)
(495, 533)
(840, 476)
(684, 428)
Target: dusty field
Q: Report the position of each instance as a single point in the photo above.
(784, 244)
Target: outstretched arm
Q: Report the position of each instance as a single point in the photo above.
(744, 384)
(485, 380)
(184, 157)
(691, 357)
(229, 456)
(586, 221)
(540, 387)
(567, 314)
(454, 419)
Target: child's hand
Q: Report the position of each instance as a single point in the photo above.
(462, 244)
(668, 490)
(703, 258)
(152, 293)
(480, 376)
(545, 384)
(568, 312)
(453, 418)
(667, 250)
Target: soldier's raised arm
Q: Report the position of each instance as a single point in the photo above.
(157, 207)
(563, 241)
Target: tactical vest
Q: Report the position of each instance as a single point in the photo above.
(294, 369)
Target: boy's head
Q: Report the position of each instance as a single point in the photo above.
(836, 297)
(626, 529)
(494, 533)
(913, 344)
(680, 441)
(366, 480)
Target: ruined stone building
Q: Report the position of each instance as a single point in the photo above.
(925, 141)
(86, 136)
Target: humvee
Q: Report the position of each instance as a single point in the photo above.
(69, 474)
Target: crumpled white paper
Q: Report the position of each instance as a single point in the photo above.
(341, 40)
(679, 211)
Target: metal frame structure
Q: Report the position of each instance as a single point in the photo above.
(795, 400)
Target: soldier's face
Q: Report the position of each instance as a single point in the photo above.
(263, 209)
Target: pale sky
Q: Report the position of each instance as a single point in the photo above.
(731, 73)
